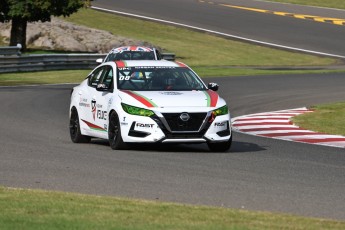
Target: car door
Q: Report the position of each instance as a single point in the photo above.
(88, 100)
(101, 101)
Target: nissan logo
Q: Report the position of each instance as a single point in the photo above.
(184, 116)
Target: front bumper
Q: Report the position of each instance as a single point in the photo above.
(169, 128)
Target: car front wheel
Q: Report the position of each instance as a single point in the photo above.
(114, 133)
(220, 146)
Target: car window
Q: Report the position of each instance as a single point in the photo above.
(95, 77)
(131, 55)
(158, 54)
(108, 77)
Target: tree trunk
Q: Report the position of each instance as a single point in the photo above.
(18, 32)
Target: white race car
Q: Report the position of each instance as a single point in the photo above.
(148, 102)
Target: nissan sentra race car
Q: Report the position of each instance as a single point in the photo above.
(148, 102)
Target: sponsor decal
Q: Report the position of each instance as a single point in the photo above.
(93, 109)
(144, 125)
(144, 100)
(211, 98)
(171, 93)
(94, 127)
(83, 103)
(110, 102)
(102, 115)
(124, 121)
(97, 111)
(220, 124)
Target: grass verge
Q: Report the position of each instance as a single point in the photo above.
(194, 48)
(46, 77)
(326, 119)
(337, 4)
(36, 209)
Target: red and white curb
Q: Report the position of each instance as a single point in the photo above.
(278, 125)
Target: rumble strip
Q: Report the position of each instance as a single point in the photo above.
(279, 126)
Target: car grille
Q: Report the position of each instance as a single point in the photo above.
(177, 125)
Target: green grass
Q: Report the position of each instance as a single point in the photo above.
(36, 209)
(328, 118)
(194, 48)
(46, 77)
(338, 4)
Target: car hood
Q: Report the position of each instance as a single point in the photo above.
(196, 98)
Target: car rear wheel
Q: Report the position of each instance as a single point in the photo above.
(74, 129)
(114, 133)
(220, 146)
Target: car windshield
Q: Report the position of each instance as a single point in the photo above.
(158, 79)
(131, 55)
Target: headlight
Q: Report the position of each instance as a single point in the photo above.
(136, 110)
(221, 111)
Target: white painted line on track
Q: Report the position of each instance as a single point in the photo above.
(283, 128)
(220, 33)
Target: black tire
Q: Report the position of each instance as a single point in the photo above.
(220, 146)
(114, 133)
(74, 129)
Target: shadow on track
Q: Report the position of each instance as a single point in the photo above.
(237, 147)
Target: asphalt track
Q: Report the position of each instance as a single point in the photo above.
(283, 31)
(257, 174)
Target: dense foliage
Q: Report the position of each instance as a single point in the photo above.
(20, 12)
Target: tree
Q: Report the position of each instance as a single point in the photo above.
(23, 11)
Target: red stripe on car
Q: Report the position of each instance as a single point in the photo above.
(93, 126)
(139, 98)
(213, 98)
(180, 64)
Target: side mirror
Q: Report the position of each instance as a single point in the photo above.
(102, 87)
(213, 86)
(99, 60)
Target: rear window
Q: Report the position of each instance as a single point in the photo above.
(131, 55)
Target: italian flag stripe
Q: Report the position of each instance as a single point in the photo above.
(146, 101)
(212, 98)
(180, 64)
(93, 126)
